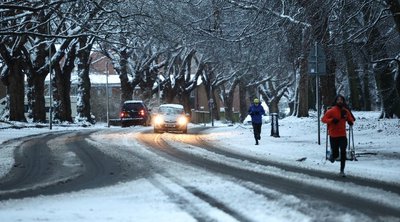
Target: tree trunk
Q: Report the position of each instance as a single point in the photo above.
(312, 94)
(62, 89)
(354, 80)
(273, 106)
(390, 96)
(394, 7)
(215, 107)
(38, 103)
(243, 101)
(14, 81)
(16, 90)
(398, 77)
(291, 107)
(327, 81)
(35, 78)
(185, 99)
(83, 67)
(126, 86)
(384, 77)
(302, 110)
(228, 101)
(212, 107)
(366, 92)
(62, 80)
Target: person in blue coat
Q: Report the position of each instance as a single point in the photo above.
(256, 111)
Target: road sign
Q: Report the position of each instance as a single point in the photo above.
(317, 61)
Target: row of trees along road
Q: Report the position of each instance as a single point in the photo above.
(258, 47)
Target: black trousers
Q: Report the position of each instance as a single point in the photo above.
(339, 143)
(257, 130)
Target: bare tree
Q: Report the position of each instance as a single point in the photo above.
(168, 45)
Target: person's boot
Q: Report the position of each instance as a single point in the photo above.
(331, 159)
(256, 142)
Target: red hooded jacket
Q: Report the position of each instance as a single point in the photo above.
(338, 129)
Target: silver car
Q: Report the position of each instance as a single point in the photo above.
(170, 117)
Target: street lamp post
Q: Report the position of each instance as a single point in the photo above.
(211, 105)
(108, 98)
(317, 67)
(50, 87)
(159, 92)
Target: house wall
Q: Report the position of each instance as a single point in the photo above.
(98, 102)
(99, 64)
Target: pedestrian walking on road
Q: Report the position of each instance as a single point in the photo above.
(256, 111)
(336, 118)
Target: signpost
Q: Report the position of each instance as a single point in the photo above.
(317, 67)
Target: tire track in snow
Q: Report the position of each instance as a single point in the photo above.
(39, 170)
(307, 191)
(160, 147)
(201, 143)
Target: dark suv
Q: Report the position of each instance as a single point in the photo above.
(135, 112)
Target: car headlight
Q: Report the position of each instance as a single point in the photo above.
(158, 120)
(182, 120)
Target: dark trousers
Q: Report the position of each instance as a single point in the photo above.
(257, 130)
(336, 144)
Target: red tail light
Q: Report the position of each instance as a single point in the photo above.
(141, 112)
(123, 114)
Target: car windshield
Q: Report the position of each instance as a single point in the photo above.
(170, 110)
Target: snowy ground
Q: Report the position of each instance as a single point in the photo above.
(376, 141)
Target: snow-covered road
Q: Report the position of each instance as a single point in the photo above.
(175, 177)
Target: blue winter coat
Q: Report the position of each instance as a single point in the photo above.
(256, 112)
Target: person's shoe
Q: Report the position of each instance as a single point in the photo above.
(342, 174)
(331, 159)
(256, 142)
(259, 137)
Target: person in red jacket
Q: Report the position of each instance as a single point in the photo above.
(336, 118)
